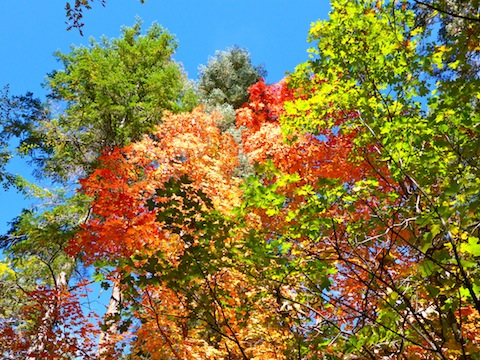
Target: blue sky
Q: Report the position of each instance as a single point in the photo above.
(274, 31)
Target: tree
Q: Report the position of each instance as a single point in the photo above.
(162, 226)
(43, 310)
(223, 86)
(295, 196)
(356, 236)
(108, 95)
(400, 236)
(223, 83)
(227, 77)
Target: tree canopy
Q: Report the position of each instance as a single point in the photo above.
(227, 77)
(355, 235)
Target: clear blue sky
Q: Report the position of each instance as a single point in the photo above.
(274, 31)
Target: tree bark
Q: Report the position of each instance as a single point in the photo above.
(105, 345)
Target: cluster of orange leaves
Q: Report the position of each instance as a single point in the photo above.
(185, 144)
(234, 322)
(123, 226)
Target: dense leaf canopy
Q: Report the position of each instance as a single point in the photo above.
(355, 234)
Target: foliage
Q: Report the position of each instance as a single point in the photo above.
(38, 303)
(52, 326)
(46, 311)
(457, 22)
(405, 236)
(17, 114)
(223, 86)
(227, 77)
(129, 176)
(356, 236)
(158, 223)
(108, 94)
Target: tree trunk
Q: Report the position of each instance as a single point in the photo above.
(48, 321)
(105, 345)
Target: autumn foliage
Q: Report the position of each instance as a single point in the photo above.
(330, 199)
(175, 272)
(354, 234)
(311, 256)
(186, 144)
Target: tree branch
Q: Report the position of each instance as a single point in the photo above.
(446, 12)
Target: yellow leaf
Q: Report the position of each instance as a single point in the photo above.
(5, 269)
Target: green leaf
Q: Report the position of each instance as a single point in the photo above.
(427, 267)
(472, 247)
